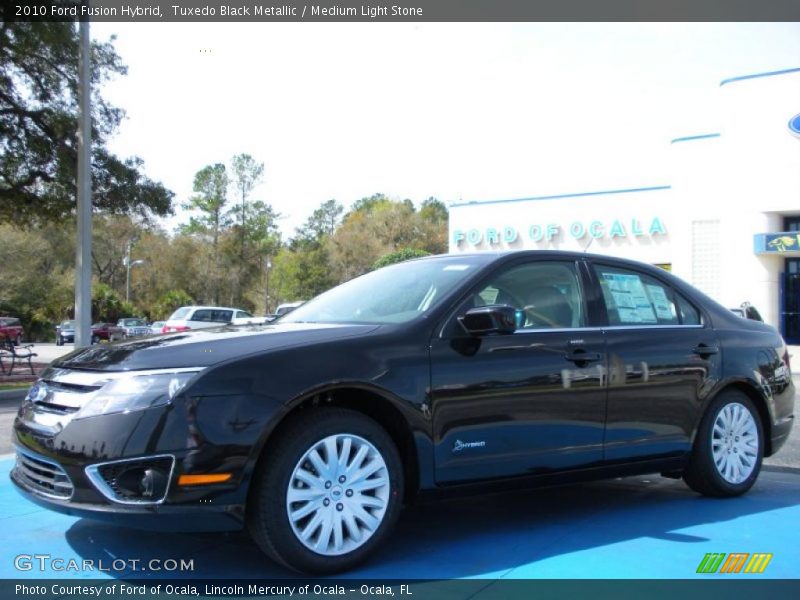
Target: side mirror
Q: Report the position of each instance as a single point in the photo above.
(488, 320)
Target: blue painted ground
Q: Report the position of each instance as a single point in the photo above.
(640, 527)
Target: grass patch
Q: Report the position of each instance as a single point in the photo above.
(16, 385)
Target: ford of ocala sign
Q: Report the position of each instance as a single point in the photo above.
(509, 234)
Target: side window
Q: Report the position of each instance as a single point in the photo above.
(240, 314)
(635, 298)
(202, 315)
(222, 316)
(546, 295)
(689, 314)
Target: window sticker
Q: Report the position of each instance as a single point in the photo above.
(630, 297)
(660, 302)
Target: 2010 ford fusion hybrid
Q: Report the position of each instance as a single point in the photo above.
(433, 374)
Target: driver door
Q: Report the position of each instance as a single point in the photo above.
(524, 403)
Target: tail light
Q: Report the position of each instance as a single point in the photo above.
(174, 328)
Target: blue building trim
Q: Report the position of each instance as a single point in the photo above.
(756, 75)
(691, 138)
(559, 196)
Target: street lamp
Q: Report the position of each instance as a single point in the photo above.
(266, 293)
(129, 264)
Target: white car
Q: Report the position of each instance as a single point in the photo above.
(199, 317)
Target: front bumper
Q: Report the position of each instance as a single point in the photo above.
(160, 517)
(196, 436)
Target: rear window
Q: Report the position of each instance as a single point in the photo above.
(180, 313)
(240, 314)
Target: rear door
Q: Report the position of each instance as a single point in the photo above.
(663, 358)
(523, 403)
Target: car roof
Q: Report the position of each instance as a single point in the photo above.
(210, 307)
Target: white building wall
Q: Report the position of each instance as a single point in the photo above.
(726, 186)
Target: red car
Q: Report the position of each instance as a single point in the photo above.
(107, 331)
(11, 329)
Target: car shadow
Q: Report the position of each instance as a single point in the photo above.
(469, 537)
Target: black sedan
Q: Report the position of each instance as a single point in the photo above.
(434, 374)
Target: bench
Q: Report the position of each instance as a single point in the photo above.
(16, 354)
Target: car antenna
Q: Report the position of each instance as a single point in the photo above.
(586, 247)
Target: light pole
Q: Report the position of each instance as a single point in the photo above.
(83, 257)
(266, 293)
(128, 264)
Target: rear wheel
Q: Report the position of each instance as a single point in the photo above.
(728, 449)
(328, 494)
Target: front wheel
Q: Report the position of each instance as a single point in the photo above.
(728, 449)
(328, 493)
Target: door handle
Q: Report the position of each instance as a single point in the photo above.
(579, 356)
(705, 350)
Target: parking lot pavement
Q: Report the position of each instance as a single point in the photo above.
(638, 527)
(49, 352)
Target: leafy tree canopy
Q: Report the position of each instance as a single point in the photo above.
(39, 125)
(398, 257)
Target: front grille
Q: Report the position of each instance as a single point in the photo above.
(43, 476)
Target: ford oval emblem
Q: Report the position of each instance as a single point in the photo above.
(794, 124)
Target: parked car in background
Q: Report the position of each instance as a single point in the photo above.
(107, 332)
(200, 317)
(427, 375)
(11, 329)
(134, 327)
(65, 332)
(285, 309)
(747, 311)
(156, 327)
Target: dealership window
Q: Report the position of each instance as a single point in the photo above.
(546, 295)
(635, 298)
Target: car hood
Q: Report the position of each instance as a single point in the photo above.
(204, 347)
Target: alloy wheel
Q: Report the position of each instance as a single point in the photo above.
(338, 494)
(734, 443)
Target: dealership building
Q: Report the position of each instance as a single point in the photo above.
(728, 221)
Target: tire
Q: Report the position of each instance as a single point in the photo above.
(731, 424)
(95, 340)
(18, 340)
(269, 508)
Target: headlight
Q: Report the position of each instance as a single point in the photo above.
(135, 392)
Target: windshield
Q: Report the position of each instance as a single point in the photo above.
(66, 324)
(394, 294)
(180, 313)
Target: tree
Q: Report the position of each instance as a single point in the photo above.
(211, 195)
(247, 173)
(398, 256)
(322, 223)
(39, 124)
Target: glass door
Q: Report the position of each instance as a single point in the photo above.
(790, 290)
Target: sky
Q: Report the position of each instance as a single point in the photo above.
(459, 111)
